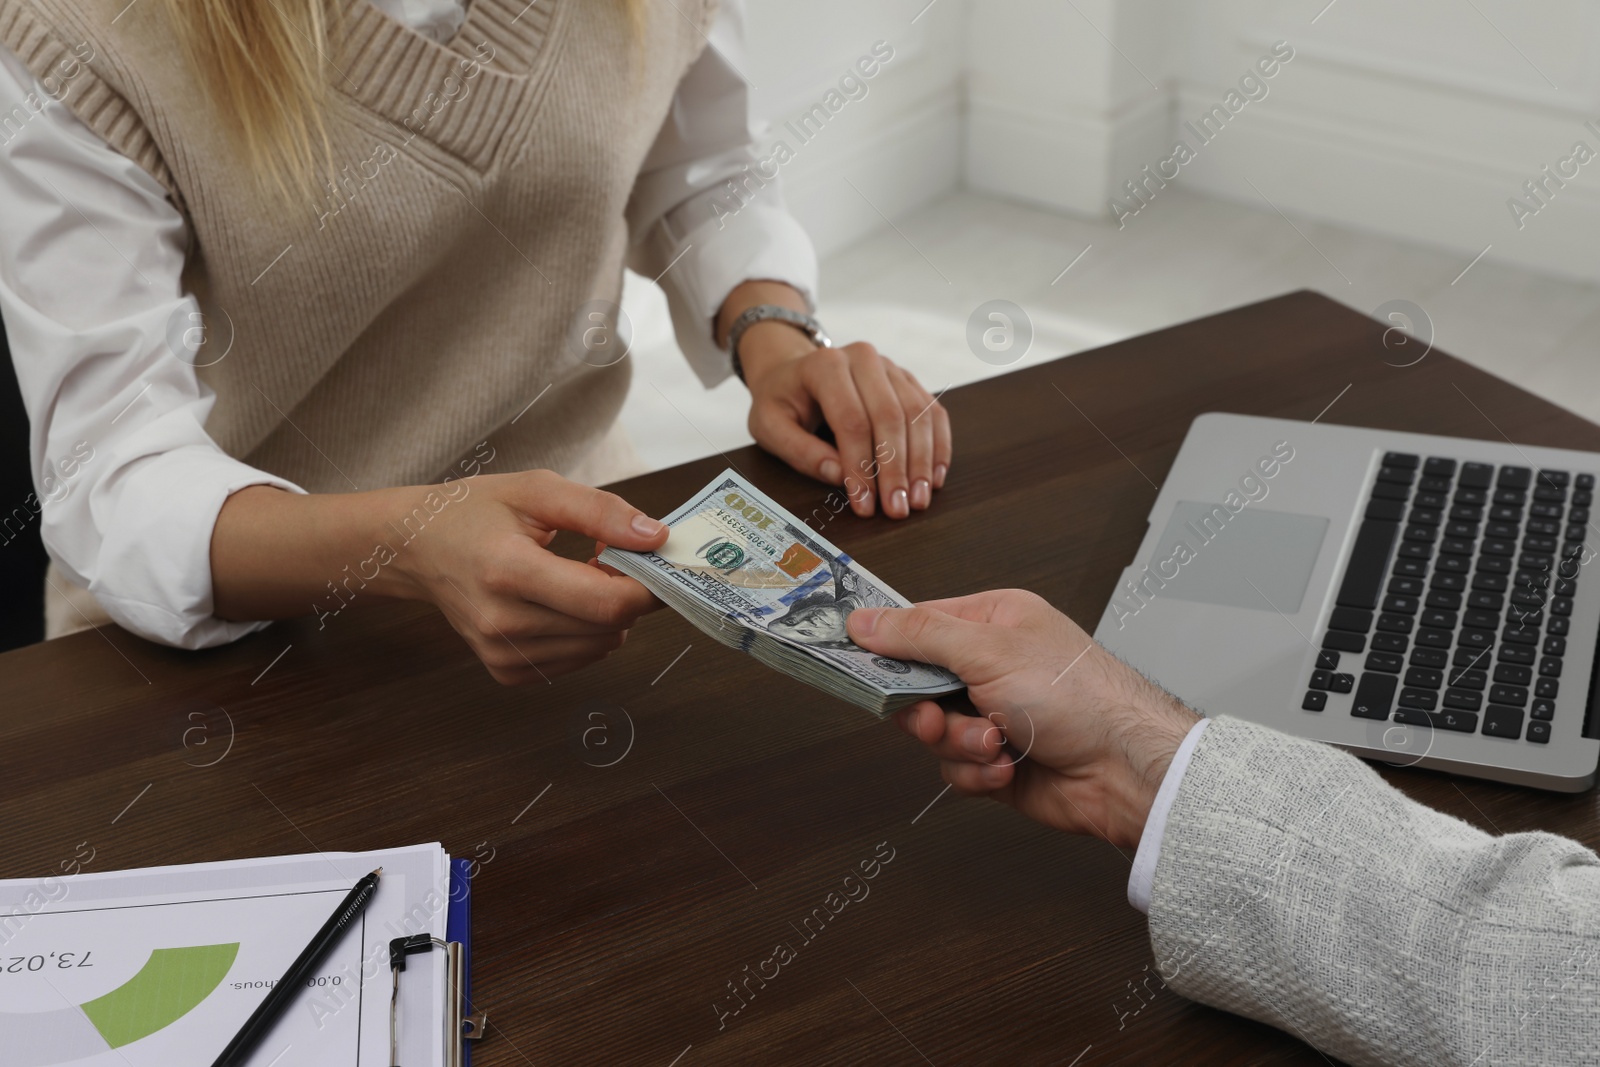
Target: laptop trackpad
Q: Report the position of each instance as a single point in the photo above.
(1246, 559)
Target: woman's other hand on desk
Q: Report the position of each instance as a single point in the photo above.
(892, 439)
(1097, 735)
(478, 549)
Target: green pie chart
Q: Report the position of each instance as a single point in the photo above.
(171, 984)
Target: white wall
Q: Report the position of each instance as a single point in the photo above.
(900, 144)
(1058, 103)
(1417, 120)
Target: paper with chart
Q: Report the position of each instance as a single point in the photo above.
(161, 966)
(756, 578)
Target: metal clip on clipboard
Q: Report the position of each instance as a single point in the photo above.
(459, 1027)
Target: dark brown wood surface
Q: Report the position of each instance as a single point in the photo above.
(612, 913)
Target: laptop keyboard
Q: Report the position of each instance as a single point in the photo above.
(1462, 627)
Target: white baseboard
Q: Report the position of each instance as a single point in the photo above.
(1324, 167)
(895, 166)
(1062, 161)
(1340, 171)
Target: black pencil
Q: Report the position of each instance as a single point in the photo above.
(266, 1014)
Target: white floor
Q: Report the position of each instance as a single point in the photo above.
(911, 288)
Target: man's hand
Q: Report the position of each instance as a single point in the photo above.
(1097, 736)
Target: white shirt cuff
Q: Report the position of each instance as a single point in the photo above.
(1143, 877)
(761, 242)
(153, 569)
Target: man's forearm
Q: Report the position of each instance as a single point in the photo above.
(1296, 887)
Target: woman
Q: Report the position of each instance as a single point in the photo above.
(291, 311)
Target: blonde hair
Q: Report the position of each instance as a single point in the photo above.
(266, 62)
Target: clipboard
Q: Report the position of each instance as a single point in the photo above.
(464, 1026)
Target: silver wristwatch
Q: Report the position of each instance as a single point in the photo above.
(765, 312)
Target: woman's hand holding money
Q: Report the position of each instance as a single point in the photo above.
(477, 548)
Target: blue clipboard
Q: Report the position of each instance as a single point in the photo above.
(458, 928)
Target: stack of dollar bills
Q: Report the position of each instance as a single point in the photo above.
(757, 579)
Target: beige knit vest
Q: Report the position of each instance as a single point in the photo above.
(377, 335)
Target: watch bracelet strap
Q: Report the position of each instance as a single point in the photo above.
(806, 324)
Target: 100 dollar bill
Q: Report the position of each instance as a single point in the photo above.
(737, 558)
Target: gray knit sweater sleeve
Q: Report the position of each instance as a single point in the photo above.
(1296, 887)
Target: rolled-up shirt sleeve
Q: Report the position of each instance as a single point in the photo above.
(128, 484)
(706, 213)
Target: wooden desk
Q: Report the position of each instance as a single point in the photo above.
(615, 904)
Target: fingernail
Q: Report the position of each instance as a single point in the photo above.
(921, 493)
(864, 622)
(645, 526)
(897, 505)
(863, 505)
(993, 775)
(831, 472)
(973, 742)
(939, 471)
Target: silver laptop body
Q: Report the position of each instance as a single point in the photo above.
(1243, 571)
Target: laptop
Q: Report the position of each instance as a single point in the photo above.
(1420, 600)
